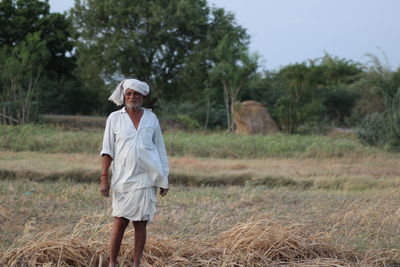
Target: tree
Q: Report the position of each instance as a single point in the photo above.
(381, 125)
(296, 104)
(334, 76)
(202, 77)
(35, 57)
(21, 69)
(20, 18)
(149, 40)
(315, 93)
(233, 68)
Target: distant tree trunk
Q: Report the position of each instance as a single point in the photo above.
(207, 109)
(227, 107)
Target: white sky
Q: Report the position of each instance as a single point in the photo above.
(289, 31)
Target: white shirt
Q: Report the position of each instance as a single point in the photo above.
(139, 155)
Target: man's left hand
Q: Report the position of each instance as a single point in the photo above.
(163, 191)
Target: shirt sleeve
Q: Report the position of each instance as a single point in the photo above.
(108, 139)
(159, 142)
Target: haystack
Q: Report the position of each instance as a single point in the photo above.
(252, 117)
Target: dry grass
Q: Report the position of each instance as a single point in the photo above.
(348, 217)
(48, 163)
(200, 220)
(351, 173)
(376, 166)
(261, 242)
(370, 166)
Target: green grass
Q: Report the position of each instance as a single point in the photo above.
(42, 138)
(220, 145)
(45, 139)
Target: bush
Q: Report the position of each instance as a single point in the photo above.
(372, 129)
(181, 122)
(382, 129)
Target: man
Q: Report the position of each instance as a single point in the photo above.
(134, 144)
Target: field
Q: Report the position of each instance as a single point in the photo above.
(234, 201)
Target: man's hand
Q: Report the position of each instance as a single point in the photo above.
(104, 187)
(163, 191)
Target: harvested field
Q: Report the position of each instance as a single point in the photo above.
(347, 216)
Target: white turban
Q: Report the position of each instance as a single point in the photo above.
(118, 95)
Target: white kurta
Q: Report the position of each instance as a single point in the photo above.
(139, 155)
(139, 164)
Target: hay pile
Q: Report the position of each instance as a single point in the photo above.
(252, 117)
(263, 242)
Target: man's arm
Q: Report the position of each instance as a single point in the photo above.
(104, 183)
(159, 142)
(107, 155)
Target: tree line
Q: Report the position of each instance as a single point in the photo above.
(195, 58)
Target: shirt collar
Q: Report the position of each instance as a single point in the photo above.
(122, 110)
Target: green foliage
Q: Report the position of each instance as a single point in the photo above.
(20, 71)
(149, 40)
(35, 59)
(375, 86)
(383, 129)
(234, 66)
(184, 50)
(190, 123)
(309, 93)
(339, 103)
(194, 57)
(69, 96)
(21, 18)
(373, 129)
(182, 122)
(209, 117)
(297, 91)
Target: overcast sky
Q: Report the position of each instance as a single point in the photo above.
(289, 31)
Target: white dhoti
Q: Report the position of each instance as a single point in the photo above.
(136, 205)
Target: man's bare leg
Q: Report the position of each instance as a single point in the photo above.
(140, 241)
(118, 229)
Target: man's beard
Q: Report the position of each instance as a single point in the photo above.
(133, 106)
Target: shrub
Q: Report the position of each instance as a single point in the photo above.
(383, 129)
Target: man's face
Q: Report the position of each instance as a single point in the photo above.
(133, 99)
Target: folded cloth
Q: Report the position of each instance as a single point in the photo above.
(136, 205)
(117, 95)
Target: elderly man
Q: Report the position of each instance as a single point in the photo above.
(134, 144)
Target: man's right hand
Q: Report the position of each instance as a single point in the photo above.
(104, 188)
